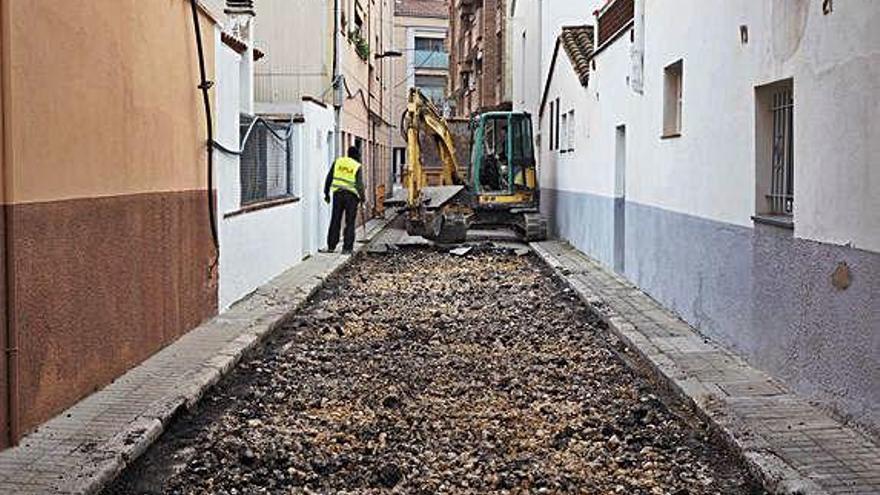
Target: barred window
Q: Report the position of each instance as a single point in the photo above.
(266, 169)
(774, 147)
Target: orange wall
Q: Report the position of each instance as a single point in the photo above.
(130, 127)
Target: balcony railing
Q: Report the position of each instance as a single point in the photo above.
(429, 59)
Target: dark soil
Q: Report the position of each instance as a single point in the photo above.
(421, 372)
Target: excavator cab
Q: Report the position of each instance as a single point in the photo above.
(503, 169)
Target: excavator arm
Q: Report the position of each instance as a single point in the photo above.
(423, 117)
(439, 213)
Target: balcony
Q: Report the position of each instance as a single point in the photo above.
(430, 59)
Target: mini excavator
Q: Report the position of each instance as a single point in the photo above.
(498, 188)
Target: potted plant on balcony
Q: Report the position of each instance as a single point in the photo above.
(361, 46)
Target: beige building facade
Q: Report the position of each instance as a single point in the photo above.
(421, 29)
(300, 55)
(106, 240)
(479, 74)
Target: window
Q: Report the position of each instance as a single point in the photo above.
(434, 88)
(571, 131)
(774, 146)
(522, 69)
(265, 168)
(552, 119)
(556, 141)
(358, 18)
(672, 100)
(430, 44)
(564, 132)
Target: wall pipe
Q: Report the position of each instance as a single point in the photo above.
(336, 82)
(205, 85)
(12, 355)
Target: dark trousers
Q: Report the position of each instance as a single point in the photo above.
(344, 202)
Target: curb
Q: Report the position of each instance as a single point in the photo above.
(775, 474)
(127, 445)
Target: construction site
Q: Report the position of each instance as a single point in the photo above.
(605, 247)
(422, 371)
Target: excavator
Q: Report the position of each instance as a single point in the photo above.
(498, 188)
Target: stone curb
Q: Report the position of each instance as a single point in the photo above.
(775, 474)
(131, 442)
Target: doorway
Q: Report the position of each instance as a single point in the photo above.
(620, 200)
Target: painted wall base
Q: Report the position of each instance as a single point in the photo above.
(759, 291)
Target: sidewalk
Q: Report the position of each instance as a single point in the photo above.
(82, 449)
(793, 446)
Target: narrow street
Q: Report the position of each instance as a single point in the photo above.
(417, 371)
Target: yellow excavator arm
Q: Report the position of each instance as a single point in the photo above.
(422, 116)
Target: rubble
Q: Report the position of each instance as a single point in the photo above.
(419, 372)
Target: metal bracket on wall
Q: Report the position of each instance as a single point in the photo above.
(827, 6)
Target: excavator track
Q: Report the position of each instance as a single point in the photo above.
(534, 227)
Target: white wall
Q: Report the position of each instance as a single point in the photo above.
(316, 145)
(527, 53)
(709, 171)
(259, 245)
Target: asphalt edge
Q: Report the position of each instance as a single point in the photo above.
(129, 444)
(776, 475)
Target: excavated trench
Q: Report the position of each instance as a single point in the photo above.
(421, 372)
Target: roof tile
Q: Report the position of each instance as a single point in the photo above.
(438, 9)
(578, 44)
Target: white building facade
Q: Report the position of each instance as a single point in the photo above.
(269, 175)
(725, 157)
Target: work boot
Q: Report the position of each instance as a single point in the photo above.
(326, 250)
(347, 251)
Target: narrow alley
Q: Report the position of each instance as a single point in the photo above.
(276, 247)
(425, 372)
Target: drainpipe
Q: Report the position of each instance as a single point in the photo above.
(12, 361)
(205, 85)
(337, 82)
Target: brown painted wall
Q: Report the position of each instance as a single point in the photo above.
(103, 283)
(4, 312)
(105, 177)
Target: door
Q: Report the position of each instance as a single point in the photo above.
(620, 201)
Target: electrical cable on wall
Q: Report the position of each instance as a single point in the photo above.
(205, 86)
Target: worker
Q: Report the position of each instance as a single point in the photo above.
(345, 181)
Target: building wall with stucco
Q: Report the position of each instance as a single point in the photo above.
(104, 170)
(685, 217)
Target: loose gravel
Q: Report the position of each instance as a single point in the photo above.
(421, 372)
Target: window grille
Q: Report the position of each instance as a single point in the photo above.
(266, 167)
(781, 194)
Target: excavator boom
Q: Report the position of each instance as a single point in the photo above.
(501, 187)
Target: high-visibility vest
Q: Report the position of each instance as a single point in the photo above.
(345, 172)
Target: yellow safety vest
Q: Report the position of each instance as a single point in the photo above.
(345, 172)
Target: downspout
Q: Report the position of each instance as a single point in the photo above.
(336, 82)
(205, 85)
(12, 361)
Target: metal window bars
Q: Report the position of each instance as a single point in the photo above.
(266, 167)
(781, 195)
